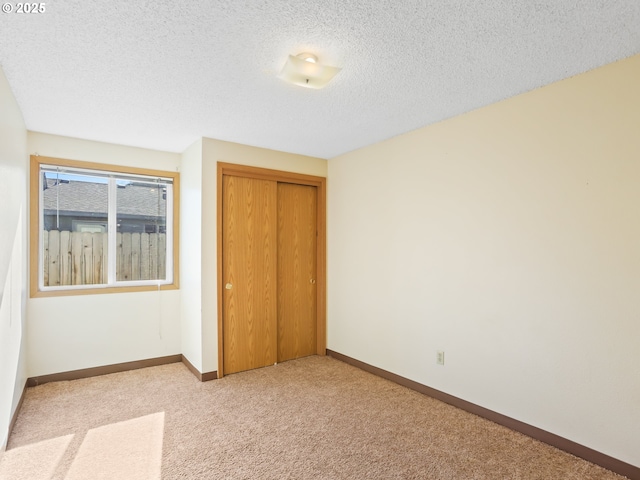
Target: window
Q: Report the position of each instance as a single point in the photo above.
(100, 228)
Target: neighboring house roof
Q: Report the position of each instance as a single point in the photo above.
(140, 200)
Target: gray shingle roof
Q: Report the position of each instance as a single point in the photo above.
(134, 199)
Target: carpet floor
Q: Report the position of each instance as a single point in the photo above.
(311, 418)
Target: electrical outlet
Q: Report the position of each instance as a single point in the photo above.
(440, 357)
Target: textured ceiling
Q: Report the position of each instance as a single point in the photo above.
(162, 74)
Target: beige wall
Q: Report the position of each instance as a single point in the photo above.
(13, 263)
(509, 237)
(74, 332)
(87, 150)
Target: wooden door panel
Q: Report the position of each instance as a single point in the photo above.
(296, 270)
(249, 246)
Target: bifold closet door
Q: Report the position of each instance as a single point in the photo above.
(297, 239)
(249, 266)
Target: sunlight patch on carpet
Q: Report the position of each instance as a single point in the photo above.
(131, 449)
(37, 461)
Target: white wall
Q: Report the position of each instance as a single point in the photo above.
(75, 332)
(191, 253)
(13, 263)
(509, 237)
(214, 151)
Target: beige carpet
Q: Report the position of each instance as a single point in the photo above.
(313, 418)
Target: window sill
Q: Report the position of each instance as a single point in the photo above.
(101, 290)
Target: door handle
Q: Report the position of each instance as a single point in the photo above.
(228, 286)
(312, 281)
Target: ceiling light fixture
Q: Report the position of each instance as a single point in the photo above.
(305, 70)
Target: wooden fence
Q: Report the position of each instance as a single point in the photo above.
(80, 258)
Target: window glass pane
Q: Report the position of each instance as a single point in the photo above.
(74, 242)
(141, 243)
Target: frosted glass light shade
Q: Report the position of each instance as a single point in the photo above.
(301, 70)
